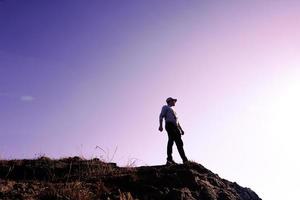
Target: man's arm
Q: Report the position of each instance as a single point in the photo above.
(182, 132)
(160, 125)
(161, 116)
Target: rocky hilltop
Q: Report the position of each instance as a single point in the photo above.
(80, 179)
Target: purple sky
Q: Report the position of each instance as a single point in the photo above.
(77, 74)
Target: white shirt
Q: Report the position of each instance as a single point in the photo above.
(169, 114)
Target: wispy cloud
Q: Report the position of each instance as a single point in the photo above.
(27, 98)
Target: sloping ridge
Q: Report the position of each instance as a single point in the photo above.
(76, 178)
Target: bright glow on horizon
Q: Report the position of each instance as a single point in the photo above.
(280, 113)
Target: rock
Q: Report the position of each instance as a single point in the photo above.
(180, 194)
(76, 178)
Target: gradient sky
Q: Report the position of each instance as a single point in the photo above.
(77, 74)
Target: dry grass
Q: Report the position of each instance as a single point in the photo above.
(59, 179)
(74, 190)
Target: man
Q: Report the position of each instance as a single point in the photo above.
(173, 129)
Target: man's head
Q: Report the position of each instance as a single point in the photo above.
(170, 101)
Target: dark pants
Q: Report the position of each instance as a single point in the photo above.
(174, 136)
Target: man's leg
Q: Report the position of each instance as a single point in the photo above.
(169, 147)
(170, 130)
(179, 144)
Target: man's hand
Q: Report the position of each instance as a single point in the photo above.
(160, 128)
(182, 132)
(180, 129)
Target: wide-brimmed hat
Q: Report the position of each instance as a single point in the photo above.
(170, 99)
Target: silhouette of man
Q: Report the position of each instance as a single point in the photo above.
(173, 129)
